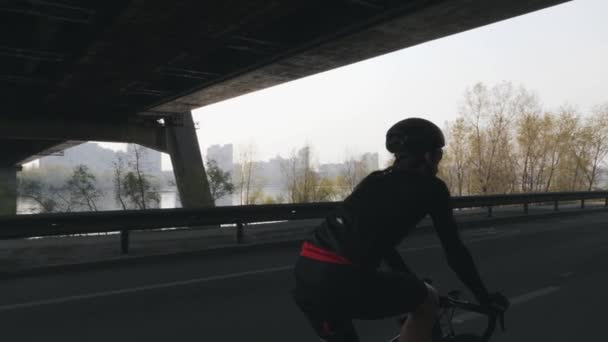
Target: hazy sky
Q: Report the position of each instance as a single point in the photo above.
(560, 52)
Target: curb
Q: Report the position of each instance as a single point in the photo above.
(232, 249)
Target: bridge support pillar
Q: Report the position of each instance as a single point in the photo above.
(8, 190)
(188, 166)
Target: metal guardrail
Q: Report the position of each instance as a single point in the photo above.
(24, 226)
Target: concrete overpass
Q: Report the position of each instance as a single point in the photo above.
(110, 70)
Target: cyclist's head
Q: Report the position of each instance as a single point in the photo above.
(415, 142)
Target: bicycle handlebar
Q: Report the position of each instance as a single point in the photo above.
(492, 315)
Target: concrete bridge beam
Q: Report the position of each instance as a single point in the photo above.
(190, 175)
(8, 190)
(150, 135)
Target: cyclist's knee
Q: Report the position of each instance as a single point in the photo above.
(430, 306)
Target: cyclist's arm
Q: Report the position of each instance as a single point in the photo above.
(394, 260)
(457, 254)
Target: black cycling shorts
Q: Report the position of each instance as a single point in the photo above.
(338, 292)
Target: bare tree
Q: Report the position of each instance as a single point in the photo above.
(303, 183)
(454, 166)
(593, 143)
(134, 188)
(489, 115)
(83, 189)
(34, 190)
(220, 182)
(46, 189)
(118, 181)
(559, 142)
(354, 169)
(248, 184)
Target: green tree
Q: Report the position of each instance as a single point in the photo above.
(220, 181)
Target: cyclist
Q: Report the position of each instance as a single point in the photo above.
(338, 273)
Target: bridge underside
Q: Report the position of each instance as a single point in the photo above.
(128, 63)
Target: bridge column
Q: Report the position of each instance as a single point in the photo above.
(8, 190)
(190, 175)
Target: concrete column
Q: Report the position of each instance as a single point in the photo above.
(188, 168)
(8, 190)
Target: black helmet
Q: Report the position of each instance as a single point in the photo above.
(414, 135)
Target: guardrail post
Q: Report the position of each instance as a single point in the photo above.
(555, 206)
(239, 232)
(525, 208)
(582, 204)
(489, 211)
(124, 241)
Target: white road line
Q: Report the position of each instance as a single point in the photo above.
(486, 238)
(514, 301)
(529, 296)
(62, 300)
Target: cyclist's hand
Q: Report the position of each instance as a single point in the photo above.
(498, 302)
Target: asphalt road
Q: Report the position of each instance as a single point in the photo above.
(555, 272)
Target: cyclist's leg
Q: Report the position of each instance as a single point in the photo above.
(419, 325)
(328, 329)
(333, 330)
(320, 295)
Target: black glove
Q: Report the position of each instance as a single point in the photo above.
(497, 302)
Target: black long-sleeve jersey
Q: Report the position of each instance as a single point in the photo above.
(381, 211)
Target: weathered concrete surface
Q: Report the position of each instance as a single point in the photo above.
(188, 167)
(8, 190)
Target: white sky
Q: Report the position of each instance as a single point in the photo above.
(560, 52)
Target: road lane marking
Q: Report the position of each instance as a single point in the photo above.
(535, 294)
(468, 316)
(62, 300)
(470, 241)
(4, 308)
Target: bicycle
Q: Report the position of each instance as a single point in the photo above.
(340, 330)
(448, 305)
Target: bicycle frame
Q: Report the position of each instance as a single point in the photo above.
(448, 305)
